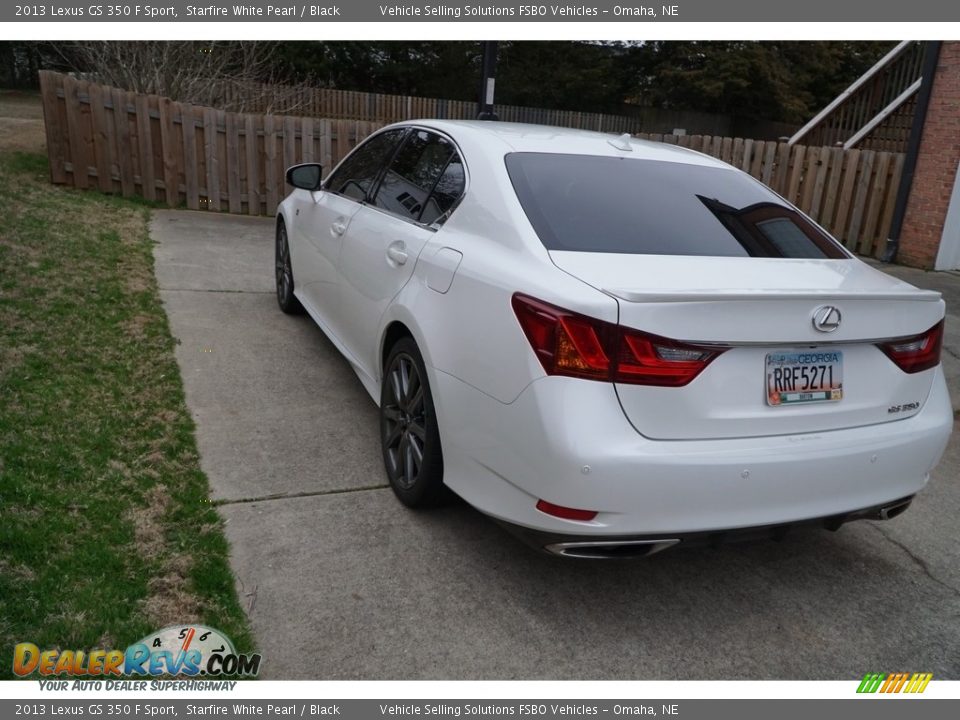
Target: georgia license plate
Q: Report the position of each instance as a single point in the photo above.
(804, 377)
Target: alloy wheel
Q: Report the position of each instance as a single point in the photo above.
(404, 426)
(284, 272)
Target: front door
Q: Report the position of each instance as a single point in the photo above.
(326, 222)
(322, 221)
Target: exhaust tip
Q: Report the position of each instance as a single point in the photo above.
(891, 511)
(610, 549)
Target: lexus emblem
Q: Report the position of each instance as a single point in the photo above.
(826, 319)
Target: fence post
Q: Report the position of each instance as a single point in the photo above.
(54, 128)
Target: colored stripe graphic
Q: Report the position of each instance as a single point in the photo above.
(894, 682)
(898, 682)
(870, 683)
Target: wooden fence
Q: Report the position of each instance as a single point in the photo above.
(207, 159)
(849, 192)
(181, 154)
(384, 108)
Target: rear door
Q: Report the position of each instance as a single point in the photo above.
(416, 193)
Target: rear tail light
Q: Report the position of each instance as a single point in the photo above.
(920, 352)
(567, 343)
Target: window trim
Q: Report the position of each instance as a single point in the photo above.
(463, 193)
(380, 169)
(433, 227)
(372, 196)
(382, 172)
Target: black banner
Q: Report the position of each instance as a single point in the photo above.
(873, 708)
(484, 11)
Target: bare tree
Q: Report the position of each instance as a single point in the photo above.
(235, 76)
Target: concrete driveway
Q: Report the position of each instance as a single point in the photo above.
(342, 582)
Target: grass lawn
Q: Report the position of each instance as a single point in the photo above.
(105, 529)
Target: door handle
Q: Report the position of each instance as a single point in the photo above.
(395, 252)
(339, 227)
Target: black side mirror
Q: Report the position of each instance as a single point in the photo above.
(306, 176)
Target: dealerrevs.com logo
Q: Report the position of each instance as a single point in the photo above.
(178, 650)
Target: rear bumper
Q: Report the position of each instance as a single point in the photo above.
(633, 546)
(567, 441)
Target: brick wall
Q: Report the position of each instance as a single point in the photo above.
(936, 165)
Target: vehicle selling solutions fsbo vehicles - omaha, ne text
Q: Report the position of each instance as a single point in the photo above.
(612, 346)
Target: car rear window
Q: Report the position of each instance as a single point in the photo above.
(591, 203)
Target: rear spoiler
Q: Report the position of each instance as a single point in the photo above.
(654, 295)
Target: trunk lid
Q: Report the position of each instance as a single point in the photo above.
(760, 307)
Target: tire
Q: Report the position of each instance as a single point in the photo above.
(408, 429)
(283, 273)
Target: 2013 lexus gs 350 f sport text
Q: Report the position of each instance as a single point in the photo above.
(612, 346)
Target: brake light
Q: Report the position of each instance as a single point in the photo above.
(917, 353)
(568, 343)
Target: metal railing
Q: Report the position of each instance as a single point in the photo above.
(876, 111)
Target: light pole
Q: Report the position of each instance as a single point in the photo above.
(485, 105)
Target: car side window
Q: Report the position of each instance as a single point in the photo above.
(409, 186)
(445, 193)
(357, 174)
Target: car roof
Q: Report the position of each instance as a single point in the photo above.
(523, 137)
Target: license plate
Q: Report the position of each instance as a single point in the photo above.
(804, 377)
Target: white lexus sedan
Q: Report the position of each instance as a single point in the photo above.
(612, 346)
